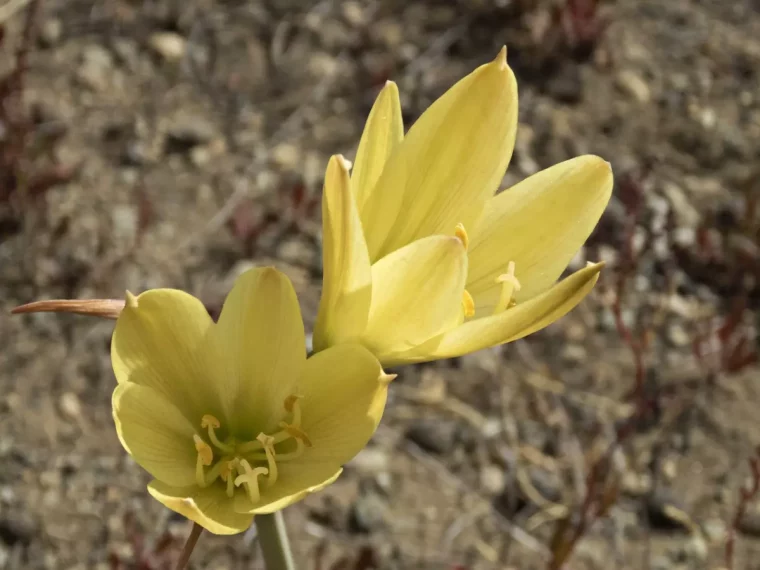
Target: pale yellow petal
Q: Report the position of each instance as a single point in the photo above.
(451, 161)
(539, 224)
(347, 278)
(383, 132)
(210, 507)
(512, 324)
(416, 295)
(160, 341)
(261, 334)
(290, 488)
(157, 436)
(344, 390)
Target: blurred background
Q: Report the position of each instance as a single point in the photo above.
(176, 143)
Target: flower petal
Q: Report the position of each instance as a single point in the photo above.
(416, 294)
(347, 279)
(290, 488)
(157, 436)
(451, 161)
(383, 132)
(160, 341)
(515, 323)
(210, 507)
(539, 224)
(261, 333)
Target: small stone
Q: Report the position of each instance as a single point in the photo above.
(574, 353)
(629, 82)
(677, 335)
(286, 156)
(370, 460)
(187, 133)
(368, 514)
(70, 405)
(95, 71)
(50, 32)
(354, 13)
(433, 436)
(658, 511)
(684, 237)
(715, 530)
(566, 85)
(492, 479)
(636, 484)
(124, 222)
(169, 45)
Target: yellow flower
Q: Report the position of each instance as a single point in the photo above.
(230, 418)
(421, 260)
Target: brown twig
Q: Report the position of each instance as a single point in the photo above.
(746, 494)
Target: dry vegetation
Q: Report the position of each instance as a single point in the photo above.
(171, 143)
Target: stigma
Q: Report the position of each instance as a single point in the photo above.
(509, 286)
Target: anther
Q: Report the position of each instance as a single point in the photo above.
(461, 233)
(249, 478)
(296, 432)
(205, 457)
(509, 286)
(268, 442)
(293, 407)
(211, 423)
(468, 304)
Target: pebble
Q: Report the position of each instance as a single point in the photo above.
(657, 504)
(631, 83)
(433, 436)
(70, 406)
(187, 133)
(368, 513)
(50, 32)
(286, 155)
(715, 530)
(492, 479)
(371, 460)
(169, 45)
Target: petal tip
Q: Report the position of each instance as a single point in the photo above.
(501, 59)
(130, 300)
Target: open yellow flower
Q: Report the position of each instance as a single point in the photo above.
(421, 260)
(230, 418)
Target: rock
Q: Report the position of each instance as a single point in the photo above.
(124, 222)
(96, 68)
(686, 214)
(632, 84)
(286, 155)
(677, 336)
(370, 460)
(169, 45)
(367, 514)
(566, 84)
(433, 436)
(659, 515)
(715, 530)
(70, 406)
(51, 31)
(492, 479)
(353, 13)
(17, 529)
(187, 133)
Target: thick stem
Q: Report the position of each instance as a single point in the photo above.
(192, 540)
(273, 538)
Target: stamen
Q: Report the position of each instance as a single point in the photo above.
(249, 478)
(461, 233)
(226, 475)
(210, 422)
(292, 407)
(509, 286)
(268, 442)
(205, 457)
(300, 447)
(296, 432)
(468, 304)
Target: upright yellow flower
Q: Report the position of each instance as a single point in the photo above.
(401, 274)
(230, 418)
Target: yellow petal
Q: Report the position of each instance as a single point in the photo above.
(160, 341)
(383, 132)
(515, 323)
(451, 161)
(155, 433)
(347, 280)
(344, 390)
(260, 332)
(210, 507)
(416, 295)
(289, 488)
(539, 224)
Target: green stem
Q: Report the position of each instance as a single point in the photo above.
(273, 538)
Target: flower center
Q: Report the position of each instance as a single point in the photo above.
(240, 463)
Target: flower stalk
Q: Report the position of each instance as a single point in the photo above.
(273, 538)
